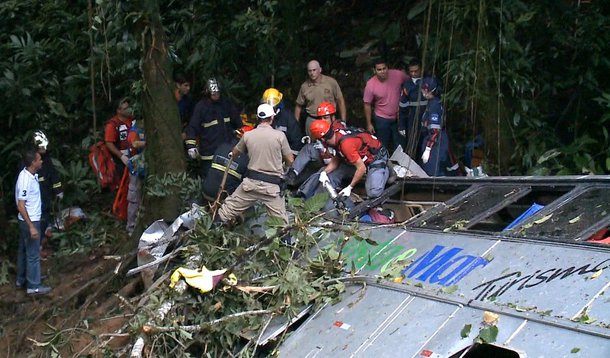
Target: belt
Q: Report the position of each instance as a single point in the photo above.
(413, 104)
(381, 159)
(272, 179)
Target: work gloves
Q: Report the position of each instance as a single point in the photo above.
(319, 146)
(306, 139)
(193, 153)
(230, 155)
(347, 191)
(402, 132)
(124, 159)
(426, 156)
(60, 196)
(323, 179)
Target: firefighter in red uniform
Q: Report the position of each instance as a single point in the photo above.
(115, 134)
(360, 154)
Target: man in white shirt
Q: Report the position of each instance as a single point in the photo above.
(29, 205)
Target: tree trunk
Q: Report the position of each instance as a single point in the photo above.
(164, 148)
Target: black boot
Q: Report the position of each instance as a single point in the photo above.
(291, 177)
(217, 222)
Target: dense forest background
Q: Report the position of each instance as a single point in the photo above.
(530, 77)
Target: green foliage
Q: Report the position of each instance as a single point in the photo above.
(163, 186)
(465, 332)
(288, 283)
(97, 230)
(78, 181)
(488, 334)
(4, 275)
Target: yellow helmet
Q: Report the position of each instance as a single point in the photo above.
(272, 96)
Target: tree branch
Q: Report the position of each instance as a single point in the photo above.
(150, 329)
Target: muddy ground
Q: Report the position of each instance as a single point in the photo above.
(81, 313)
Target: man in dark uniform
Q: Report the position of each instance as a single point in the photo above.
(214, 121)
(284, 120)
(434, 147)
(412, 106)
(50, 186)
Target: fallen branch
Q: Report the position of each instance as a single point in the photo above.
(155, 262)
(150, 329)
(255, 289)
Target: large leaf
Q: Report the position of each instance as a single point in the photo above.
(314, 204)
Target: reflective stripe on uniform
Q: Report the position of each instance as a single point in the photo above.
(206, 157)
(57, 185)
(190, 142)
(227, 119)
(222, 168)
(209, 124)
(412, 104)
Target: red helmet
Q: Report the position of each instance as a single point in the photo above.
(319, 128)
(326, 109)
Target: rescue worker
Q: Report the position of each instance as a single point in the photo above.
(284, 120)
(266, 147)
(317, 89)
(435, 144)
(50, 186)
(214, 121)
(315, 154)
(137, 143)
(212, 183)
(412, 106)
(115, 134)
(360, 154)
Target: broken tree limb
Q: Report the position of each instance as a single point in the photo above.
(180, 288)
(151, 329)
(255, 289)
(162, 259)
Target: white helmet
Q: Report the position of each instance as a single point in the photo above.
(40, 140)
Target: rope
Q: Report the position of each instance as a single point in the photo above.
(473, 108)
(498, 84)
(414, 132)
(92, 68)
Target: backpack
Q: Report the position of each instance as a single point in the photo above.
(103, 166)
(367, 141)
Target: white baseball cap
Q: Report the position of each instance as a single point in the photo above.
(265, 110)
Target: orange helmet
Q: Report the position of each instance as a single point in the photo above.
(326, 109)
(319, 129)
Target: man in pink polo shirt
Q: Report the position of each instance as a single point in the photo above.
(382, 91)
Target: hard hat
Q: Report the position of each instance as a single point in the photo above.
(265, 111)
(326, 109)
(272, 96)
(248, 121)
(40, 140)
(319, 129)
(212, 86)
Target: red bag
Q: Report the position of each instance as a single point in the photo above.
(119, 207)
(382, 216)
(103, 166)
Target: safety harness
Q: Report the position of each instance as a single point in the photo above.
(368, 153)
